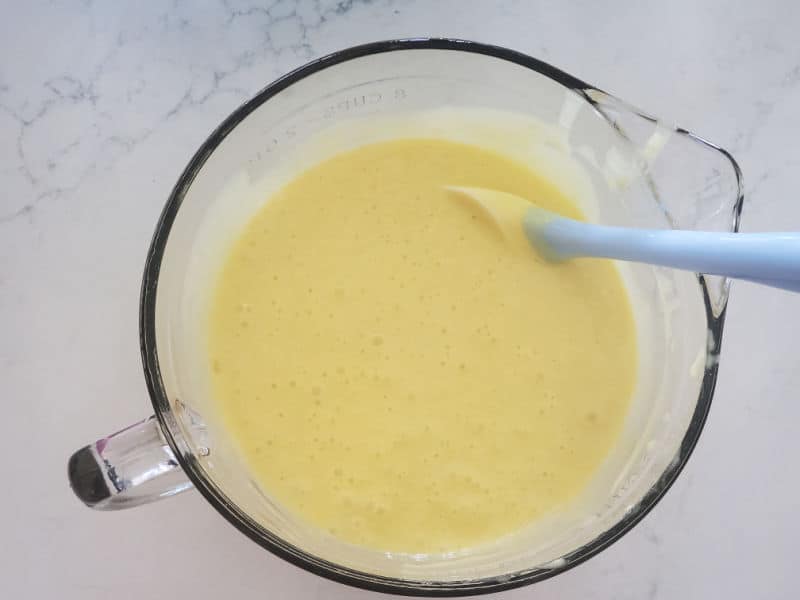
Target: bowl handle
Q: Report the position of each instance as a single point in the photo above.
(131, 467)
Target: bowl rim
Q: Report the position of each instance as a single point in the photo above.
(291, 553)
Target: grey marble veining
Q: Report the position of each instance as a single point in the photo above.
(102, 104)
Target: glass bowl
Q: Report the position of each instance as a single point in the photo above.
(631, 169)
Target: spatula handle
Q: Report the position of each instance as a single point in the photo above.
(768, 258)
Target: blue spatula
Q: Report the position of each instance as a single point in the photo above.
(771, 259)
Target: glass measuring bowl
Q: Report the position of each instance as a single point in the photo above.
(638, 172)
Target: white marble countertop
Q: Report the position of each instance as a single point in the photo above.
(101, 106)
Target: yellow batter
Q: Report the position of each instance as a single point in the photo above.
(398, 372)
